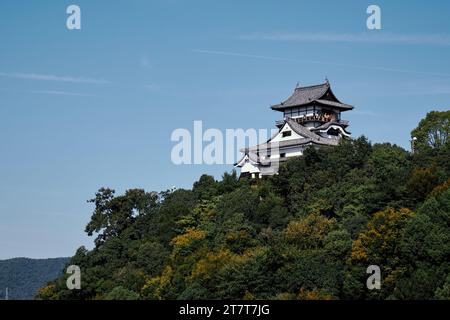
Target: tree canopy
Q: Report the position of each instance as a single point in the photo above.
(309, 232)
(433, 130)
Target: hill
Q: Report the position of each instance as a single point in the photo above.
(310, 232)
(24, 276)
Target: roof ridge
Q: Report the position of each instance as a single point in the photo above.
(313, 86)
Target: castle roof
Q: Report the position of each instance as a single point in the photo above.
(309, 137)
(321, 94)
(343, 124)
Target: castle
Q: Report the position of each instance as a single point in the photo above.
(311, 117)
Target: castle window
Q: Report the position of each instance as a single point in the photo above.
(287, 133)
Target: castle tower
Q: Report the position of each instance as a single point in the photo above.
(311, 117)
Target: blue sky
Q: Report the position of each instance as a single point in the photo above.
(95, 107)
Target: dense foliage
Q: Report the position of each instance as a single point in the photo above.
(308, 233)
(23, 276)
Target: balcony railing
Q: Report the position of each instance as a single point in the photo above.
(318, 118)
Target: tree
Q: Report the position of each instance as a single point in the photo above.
(387, 168)
(151, 258)
(205, 188)
(443, 293)
(309, 232)
(433, 131)
(425, 248)
(420, 183)
(378, 245)
(229, 182)
(120, 293)
(112, 215)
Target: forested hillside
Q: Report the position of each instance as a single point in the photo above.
(23, 276)
(308, 233)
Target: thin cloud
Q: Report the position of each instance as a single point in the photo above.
(50, 77)
(366, 37)
(419, 91)
(49, 92)
(244, 55)
(365, 67)
(60, 93)
(366, 113)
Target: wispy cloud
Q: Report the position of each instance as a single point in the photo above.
(418, 90)
(48, 92)
(364, 67)
(367, 113)
(51, 77)
(60, 93)
(243, 55)
(365, 37)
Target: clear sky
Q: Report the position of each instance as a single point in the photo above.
(82, 109)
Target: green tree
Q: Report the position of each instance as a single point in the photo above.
(378, 245)
(433, 131)
(112, 215)
(309, 232)
(206, 187)
(120, 293)
(425, 247)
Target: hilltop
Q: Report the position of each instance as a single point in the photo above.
(309, 232)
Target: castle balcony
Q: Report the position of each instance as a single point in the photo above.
(313, 118)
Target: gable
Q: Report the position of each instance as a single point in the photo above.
(286, 133)
(329, 95)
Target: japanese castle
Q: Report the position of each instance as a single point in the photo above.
(311, 117)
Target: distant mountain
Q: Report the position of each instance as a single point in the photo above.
(24, 276)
